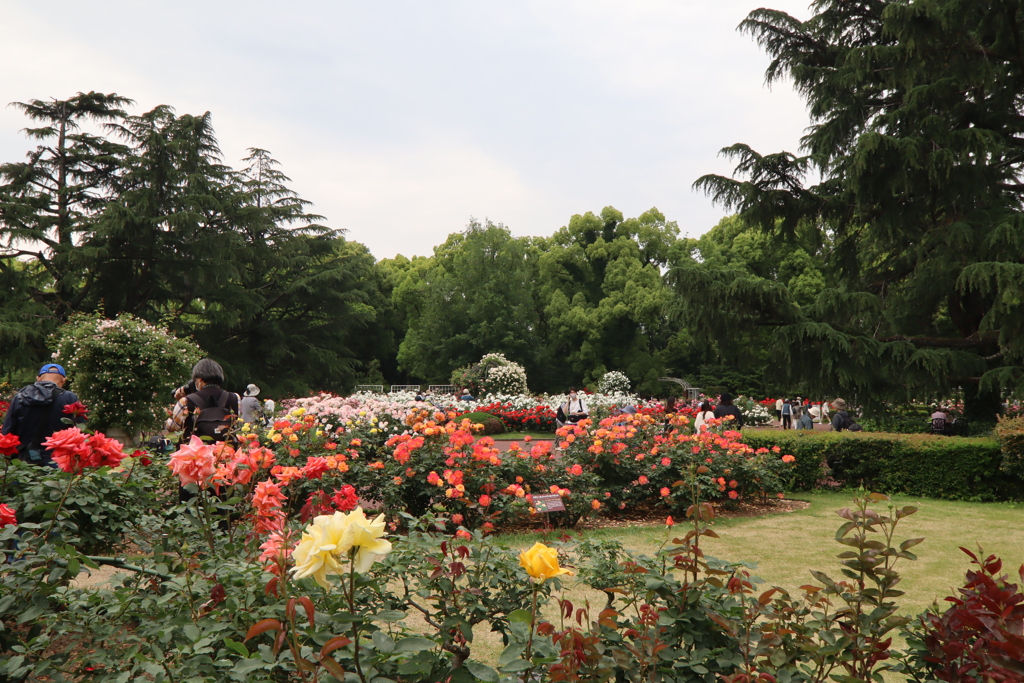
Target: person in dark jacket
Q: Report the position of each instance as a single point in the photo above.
(207, 376)
(726, 407)
(36, 412)
(841, 419)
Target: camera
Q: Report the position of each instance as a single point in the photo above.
(189, 388)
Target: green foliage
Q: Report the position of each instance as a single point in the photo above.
(100, 509)
(474, 296)
(123, 369)
(146, 219)
(600, 277)
(1010, 435)
(904, 276)
(953, 468)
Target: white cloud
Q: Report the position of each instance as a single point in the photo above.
(400, 120)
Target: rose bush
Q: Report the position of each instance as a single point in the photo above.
(250, 580)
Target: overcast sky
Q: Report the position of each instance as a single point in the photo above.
(401, 119)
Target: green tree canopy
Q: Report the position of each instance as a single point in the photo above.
(605, 297)
(145, 218)
(911, 179)
(474, 296)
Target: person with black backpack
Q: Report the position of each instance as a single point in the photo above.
(37, 411)
(208, 411)
(841, 419)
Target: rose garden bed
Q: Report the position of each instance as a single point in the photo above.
(268, 571)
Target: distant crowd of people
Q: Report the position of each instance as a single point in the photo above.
(802, 413)
(203, 408)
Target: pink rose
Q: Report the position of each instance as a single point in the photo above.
(194, 463)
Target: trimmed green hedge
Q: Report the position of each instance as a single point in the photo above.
(917, 464)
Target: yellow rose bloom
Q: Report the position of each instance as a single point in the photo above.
(541, 562)
(325, 545)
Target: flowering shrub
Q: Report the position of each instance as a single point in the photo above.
(244, 582)
(505, 379)
(636, 461)
(613, 382)
(494, 374)
(74, 450)
(755, 414)
(438, 460)
(538, 418)
(124, 369)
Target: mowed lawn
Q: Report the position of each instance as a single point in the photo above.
(787, 546)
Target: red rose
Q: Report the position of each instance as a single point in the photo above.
(9, 444)
(7, 517)
(345, 498)
(76, 409)
(105, 451)
(70, 450)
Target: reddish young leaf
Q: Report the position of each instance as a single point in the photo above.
(310, 612)
(331, 665)
(333, 644)
(289, 609)
(262, 627)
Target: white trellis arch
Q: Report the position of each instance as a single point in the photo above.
(692, 392)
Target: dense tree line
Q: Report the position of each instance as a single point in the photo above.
(908, 192)
(885, 262)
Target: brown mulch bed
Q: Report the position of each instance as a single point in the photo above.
(651, 517)
(655, 516)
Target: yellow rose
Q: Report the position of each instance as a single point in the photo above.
(541, 562)
(325, 545)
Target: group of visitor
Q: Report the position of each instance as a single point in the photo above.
(202, 408)
(724, 409)
(800, 413)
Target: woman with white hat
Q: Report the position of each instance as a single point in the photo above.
(249, 409)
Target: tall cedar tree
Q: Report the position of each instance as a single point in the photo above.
(916, 141)
(47, 201)
(148, 220)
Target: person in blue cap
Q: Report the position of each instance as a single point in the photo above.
(36, 412)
